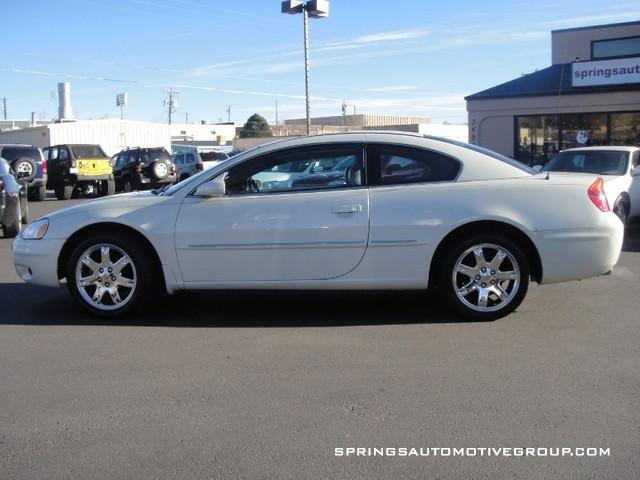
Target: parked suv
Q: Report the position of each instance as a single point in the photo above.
(75, 168)
(27, 162)
(143, 168)
(187, 164)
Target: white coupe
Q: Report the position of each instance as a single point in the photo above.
(412, 212)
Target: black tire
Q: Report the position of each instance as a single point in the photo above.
(621, 210)
(25, 169)
(183, 177)
(107, 188)
(471, 307)
(160, 169)
(40, 194)
(25, 211)
(64, 192)
(12, 231)
(147, 274)
(127, 185)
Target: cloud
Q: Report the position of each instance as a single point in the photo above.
(392, 88)
(391, 36)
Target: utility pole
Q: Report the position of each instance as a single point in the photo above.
(186, 118)
(172, 103)
(228, 113)
(4, 107)
(277, 132)
(313, 9)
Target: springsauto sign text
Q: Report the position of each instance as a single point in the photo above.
(618, 71)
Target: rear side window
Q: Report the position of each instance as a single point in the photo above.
(191, 158)
(394, 164)
(149, 156)
(13, 153)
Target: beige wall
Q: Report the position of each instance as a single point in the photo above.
(491, 123)
(567, 45)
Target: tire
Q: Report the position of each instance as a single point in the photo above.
(127, 185)
(160, 169)
(40, 194)
(621, 210)
(25, 169)
(183, 177)
(140, 272)
(25, 212)
(12, 231)
(107, 188)
(486, 294)
(64, 192)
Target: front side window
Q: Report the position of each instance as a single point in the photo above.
(298, 169)
(393, 164)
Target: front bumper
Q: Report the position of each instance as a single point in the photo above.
(36, 261)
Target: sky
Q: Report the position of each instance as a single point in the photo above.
(405, 57)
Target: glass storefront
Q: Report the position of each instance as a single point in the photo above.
(540, 137)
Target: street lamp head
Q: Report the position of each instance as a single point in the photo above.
(318, 8)
(292, 6)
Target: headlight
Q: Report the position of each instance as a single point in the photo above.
(36, 230)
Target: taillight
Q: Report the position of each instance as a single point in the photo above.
(73, 163)
(596, 194)
(1, 185)
(199, 167)
(139, 168)
(44, 167)
(173, 169)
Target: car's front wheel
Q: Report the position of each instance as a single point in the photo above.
(485, 277)
(109, 275)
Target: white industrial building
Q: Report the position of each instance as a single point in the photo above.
(111, 135)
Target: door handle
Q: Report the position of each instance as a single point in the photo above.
(347, 209)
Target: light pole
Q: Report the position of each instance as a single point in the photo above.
(313, 9)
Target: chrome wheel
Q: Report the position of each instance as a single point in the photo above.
(105, 277)
(486, 277)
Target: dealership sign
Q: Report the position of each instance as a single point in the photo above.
(606, 72)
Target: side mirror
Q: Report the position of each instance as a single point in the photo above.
(537, 168)
(636, 171)
(212, 189)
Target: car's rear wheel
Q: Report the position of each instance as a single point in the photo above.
(38, 194)
(127, 185)
(109, 275)
(12, 230)
(64, 192)
(620, 209)
(107, 188)
(485, 277)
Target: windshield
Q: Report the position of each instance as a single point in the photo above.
(599, 162)
(87, 151)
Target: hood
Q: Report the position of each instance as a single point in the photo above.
(113, 205)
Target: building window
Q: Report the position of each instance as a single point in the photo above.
(583, 129)
(615, 48)
(540, 137)
(537, 138)
(625, 128)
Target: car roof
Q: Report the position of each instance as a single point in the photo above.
(2, 145)
(612, 148)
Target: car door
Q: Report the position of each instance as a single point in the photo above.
(267, 229)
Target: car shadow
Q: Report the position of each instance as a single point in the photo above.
(30, 305)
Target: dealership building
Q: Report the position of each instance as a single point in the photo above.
(590, 95)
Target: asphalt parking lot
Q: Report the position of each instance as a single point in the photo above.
(266, 385)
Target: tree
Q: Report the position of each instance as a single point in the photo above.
(256, 126)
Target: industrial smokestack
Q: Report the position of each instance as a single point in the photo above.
(64, 101)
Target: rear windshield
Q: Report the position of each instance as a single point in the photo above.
(599, 162)
(486, 151)
(13, 153)
(149, 156)
(87, 151)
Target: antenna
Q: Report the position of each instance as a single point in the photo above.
(228, 113)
